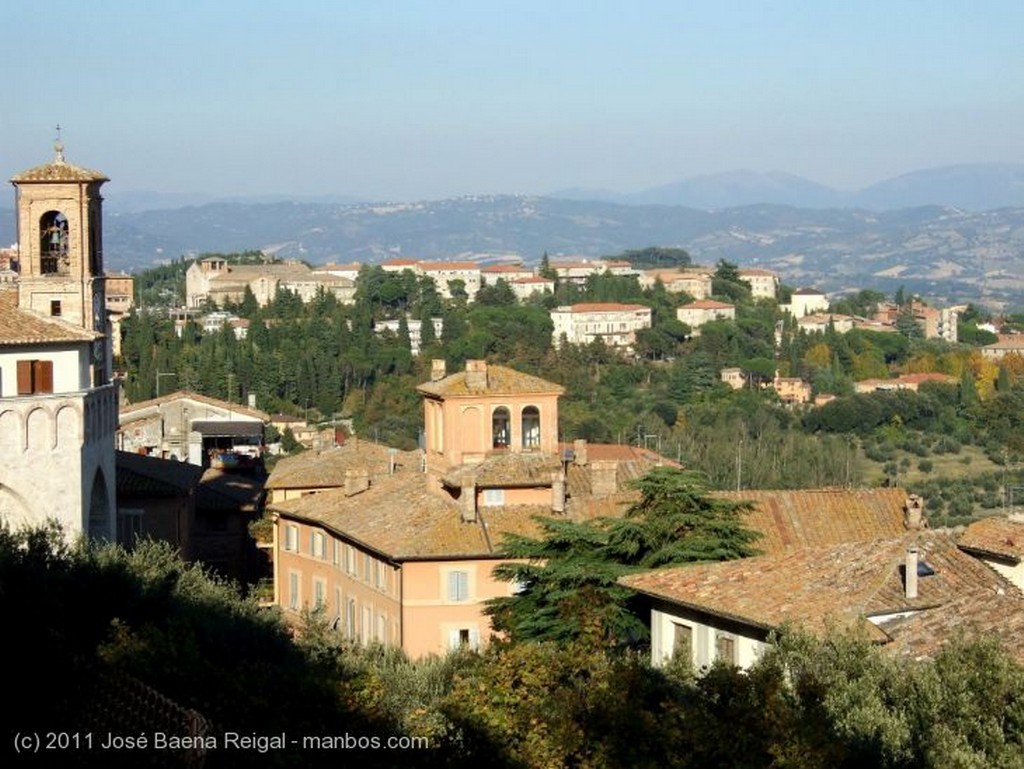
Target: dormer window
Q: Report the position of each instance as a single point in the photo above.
(531, 427)
(500, 423)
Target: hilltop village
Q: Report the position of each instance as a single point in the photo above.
(402, 456)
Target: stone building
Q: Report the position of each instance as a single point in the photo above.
(58, 405)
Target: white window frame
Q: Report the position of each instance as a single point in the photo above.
(291, 537)
(458, 586)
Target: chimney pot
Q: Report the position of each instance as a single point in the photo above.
(910, 573)
(437, 369)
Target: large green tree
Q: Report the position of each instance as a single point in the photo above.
(568, 577)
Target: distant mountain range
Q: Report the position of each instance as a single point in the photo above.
(977, 187)
(948, 252)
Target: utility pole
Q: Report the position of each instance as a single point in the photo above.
(160, 374)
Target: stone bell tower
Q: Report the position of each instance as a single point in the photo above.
(60, 238)
(58, 405)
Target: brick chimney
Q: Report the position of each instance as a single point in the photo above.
(910, 573)
(356, 481)
(467, 500)
(476, 374)
(579, 451)
(913, 513)
(603, 477)
(437, 369)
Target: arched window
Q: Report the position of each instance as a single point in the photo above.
(531, 427)
(500, 423)
(53, 243)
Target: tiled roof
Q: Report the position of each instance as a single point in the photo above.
(606, 307)
(23, 327)
(504, 268)
(821, 517)
(500, 381)
(234, 408)
(250, 272)
(996, 535)
(1008, 342)
(399, 517)
(58, 171)
(815, 588)
(142, 475)
(534, 279)
(229, 491)
(326, 469)
(756, 271)
(431, 266)
(507, 470)
(707, 304)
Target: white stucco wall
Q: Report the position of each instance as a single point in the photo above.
(70, 367)
(704, 634)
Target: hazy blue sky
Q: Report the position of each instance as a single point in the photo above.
(414, 100)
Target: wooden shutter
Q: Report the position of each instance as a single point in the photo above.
(42, 375)
(25, 377)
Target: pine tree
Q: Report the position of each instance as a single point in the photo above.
(568, 577)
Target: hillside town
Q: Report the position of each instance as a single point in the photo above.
(409, 546)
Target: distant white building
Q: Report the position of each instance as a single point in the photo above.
(615, 324)
(696, 314)
(763, 283)
(806, 301)
(415, 330)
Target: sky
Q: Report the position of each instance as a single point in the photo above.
(402, 101)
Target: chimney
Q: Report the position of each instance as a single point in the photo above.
(356, 481)
(910, 573)
(467, 500)
(558, 492)
(476, 374)
(913, 514)
(437, 369)
(603, 481)
(579, 450)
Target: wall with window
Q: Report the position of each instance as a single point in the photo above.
(67, 365)
(357, 590)
(443, 604)
(702, 637)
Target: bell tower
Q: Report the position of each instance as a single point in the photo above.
(60, 237)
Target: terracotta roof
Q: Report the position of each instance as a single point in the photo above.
(24, 327)
(507, 470)
(400, 518)
(58, 170)
(533, 279)
(997, 536)
(707, 304)
(234, 408)
(142, 475)
(923, 634)
(821, 517)
(229, 491)
(326, 469)
(504, 268)
(429, 266)
(605, 307)
(756, 271)
(845, 584)
(1008, 342)
(500, 380)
